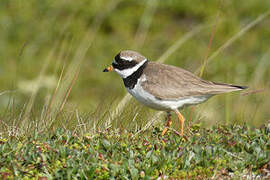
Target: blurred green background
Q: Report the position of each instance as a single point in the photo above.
(40, 37)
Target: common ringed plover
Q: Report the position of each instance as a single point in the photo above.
(164, 87)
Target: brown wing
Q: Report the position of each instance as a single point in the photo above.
(170, 82)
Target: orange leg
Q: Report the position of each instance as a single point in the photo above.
(169, 123)
(181, 120)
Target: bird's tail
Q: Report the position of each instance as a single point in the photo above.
(223, 88)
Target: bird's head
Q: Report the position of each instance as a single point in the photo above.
(126, 63)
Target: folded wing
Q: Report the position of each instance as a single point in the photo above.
(170, 82)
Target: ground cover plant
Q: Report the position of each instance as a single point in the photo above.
(61, 117)
(222, 152)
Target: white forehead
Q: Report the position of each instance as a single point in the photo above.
(127, 58)
(129, 55)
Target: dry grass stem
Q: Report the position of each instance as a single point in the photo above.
(210, 40)
(69, 90)
(144, 25)
(235, 37)
(179, 43)
(55, 91)
(33, 95)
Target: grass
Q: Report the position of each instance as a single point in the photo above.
(62, 117)
(220, 152)
(77, 39)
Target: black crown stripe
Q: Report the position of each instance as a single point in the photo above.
(123, 64)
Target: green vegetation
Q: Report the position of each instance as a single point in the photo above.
(60, 116)
(220, 152)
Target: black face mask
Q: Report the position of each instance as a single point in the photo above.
(123, 64)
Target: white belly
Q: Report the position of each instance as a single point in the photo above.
(149, 100)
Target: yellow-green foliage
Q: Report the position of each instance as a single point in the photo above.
(218, 153)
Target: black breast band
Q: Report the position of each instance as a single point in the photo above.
(132, 80)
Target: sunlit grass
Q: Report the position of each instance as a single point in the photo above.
(221, 152)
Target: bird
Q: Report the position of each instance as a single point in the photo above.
(164, 87)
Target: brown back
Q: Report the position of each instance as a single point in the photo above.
(170, 82)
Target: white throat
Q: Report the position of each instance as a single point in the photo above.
(127, 72)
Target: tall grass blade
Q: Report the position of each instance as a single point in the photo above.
(80, 54)
(36, 89)
(144, 25)
(261, 68)
(175, 46)
(210, 40)
(235, 37)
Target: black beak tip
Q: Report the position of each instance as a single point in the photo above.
(105, 70)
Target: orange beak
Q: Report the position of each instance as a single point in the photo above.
(108, 69)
